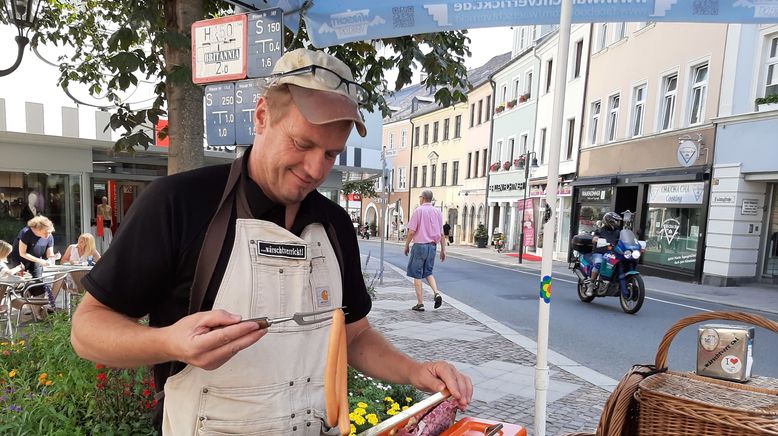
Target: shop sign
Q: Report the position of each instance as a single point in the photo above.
(750, 207)
(594, 194)
(563, 190)
(682, 259)
(722, 199)
(354, 197)
(676, 193)
(499, 187)
(669, 229)
(687, 153)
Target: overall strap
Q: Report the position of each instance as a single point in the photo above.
(214, 239)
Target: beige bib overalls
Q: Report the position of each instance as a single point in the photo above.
(275, 386)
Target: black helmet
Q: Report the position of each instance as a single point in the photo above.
(611, 220)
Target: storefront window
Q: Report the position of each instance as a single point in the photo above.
(589, 217)
(56, 196)
(672, 237)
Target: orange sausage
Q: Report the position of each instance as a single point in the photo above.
(331, 395)
(343, 419)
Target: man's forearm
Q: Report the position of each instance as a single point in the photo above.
(119, 341)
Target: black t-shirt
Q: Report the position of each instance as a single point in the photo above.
(150, 265)
(611, 235)
(36, 246)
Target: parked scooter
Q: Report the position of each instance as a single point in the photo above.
(618, 276)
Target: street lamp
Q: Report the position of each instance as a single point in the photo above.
(525, 162)
(22, 14)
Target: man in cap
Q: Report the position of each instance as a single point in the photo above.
(202, 250)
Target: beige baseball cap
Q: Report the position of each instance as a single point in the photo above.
(324, 94)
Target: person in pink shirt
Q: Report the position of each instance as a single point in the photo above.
(425, 229)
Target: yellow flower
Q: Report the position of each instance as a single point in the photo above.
(362, 405)
(359, 420)
(12, 373)
(391, 412)
(352, 416)
(353, 430)
(389, 399)
(405, 407)
(49, 383)
(394, 406)
(21, 343)
(359, 411)
(372, 418)
(42, 378)
(408, 400)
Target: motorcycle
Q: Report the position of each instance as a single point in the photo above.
(618, 276)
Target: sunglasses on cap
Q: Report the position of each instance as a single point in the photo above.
(329, 79)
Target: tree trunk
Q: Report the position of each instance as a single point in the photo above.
(184, 99)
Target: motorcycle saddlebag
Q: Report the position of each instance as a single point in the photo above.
(583, 243)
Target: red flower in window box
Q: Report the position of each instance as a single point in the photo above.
(494, 167)
(511, 104)
(499, 109)
(506, 165)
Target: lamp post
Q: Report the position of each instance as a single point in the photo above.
(527, 167)
(22, 14)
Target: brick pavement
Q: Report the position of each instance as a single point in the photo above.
(502, 370)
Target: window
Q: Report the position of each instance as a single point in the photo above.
(594, 121)
(549, 74)
(475, 170)
(480, 111)
(433, 174)
(472, 115)
(570, 138)
(698, 94)
(528, 84)
(435, 126)
(602, 33)
(443, 170)
(498, 152)
(523, 144)
(401, 179)
(484, 157)
(638, 109)
(446, 124)
(613, 118)
(643, 24)
(470, 164)
(402, 139)
(455, 173)
(577, 59)
(391, 140)
(516, 88)
(488, 113)
(415, 181)
(542, 145)
(416, 142)
(669, 91)
(424, 175)
(504, 94)
(426, 134)
(511, 150)
(771, 70)
(458, 126)
(619, 31)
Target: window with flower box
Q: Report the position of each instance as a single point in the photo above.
(771, 67)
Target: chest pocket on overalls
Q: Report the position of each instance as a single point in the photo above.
(280, 287)
(321, 279)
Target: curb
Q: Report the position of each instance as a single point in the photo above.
(587, 374)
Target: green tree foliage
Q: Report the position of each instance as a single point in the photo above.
(112, 44)
(366, 188)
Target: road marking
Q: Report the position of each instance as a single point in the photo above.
(678, 304)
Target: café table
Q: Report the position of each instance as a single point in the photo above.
(76, 272)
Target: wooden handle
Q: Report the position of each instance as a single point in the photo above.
(664, 345)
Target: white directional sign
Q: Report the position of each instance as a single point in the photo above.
(219, 49)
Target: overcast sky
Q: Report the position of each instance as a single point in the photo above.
(35, 81)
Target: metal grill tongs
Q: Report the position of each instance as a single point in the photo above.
(301, 318)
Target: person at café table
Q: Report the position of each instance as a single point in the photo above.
(33, 246)
(273, 246)
(81, 251)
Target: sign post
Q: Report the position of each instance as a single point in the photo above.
(219, 49)
(220, 114)
(247, 93)
(265, 41)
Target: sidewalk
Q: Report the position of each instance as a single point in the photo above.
(499, 361)
(755, 297)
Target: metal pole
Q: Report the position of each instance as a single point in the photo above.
(544, 302)
(383, 215)
(523, 206)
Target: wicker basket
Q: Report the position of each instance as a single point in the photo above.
(673, 403)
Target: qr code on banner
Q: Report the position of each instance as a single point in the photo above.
(403, 16)
(705, 7)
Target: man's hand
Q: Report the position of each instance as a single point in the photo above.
(434, 376)
(442, 254)
(195, 339)
(407, 249)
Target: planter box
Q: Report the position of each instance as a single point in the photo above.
(767, 107)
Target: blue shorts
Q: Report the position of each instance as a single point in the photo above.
(596, 260)
(421, 261)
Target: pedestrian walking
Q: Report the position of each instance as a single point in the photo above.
(447, 234)
(425, 230)
(251, 239)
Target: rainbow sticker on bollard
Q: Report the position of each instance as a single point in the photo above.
(545, 289)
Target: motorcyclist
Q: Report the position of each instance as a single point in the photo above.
(609, 230)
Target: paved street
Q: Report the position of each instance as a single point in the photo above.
(488, 326)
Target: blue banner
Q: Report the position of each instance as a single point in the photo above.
(337, 22)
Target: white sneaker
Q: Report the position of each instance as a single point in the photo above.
(589, 290)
